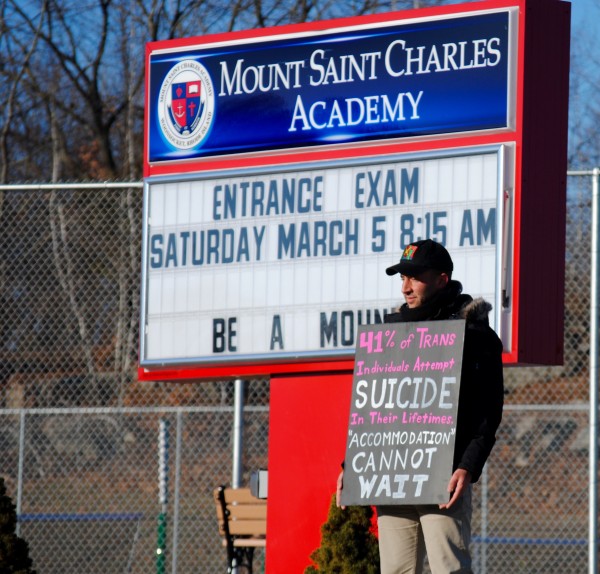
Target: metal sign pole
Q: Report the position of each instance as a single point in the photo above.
(238, 433)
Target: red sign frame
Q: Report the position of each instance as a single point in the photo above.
(539, 194)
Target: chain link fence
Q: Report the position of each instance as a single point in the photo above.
(79, 434)
(88, 487)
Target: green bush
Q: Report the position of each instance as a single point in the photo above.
(348, 545)
(14, 551)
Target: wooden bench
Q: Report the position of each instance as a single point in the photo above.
(242, 525)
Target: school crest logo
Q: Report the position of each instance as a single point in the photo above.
(186, 105)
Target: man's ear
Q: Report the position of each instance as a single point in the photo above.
(443, 280)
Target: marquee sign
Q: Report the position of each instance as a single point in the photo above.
(285, 265)
(286, 168)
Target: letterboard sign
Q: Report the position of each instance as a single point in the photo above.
(283, 266)
(402, 423)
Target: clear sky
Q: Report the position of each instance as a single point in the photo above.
(585, 19)
(586, 8)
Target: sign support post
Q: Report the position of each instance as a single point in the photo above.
(238, 434)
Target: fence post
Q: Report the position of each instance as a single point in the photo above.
(19, 505)
(594, 349)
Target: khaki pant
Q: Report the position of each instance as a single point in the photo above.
(406, 532)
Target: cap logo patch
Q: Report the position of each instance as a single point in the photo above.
(409, 252)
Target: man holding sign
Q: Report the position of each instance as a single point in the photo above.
(418, 390)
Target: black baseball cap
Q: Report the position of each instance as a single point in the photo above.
(421, 256)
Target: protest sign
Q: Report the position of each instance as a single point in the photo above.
(402, 422)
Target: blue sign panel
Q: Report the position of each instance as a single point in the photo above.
(399, 80)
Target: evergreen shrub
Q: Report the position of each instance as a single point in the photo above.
(14, 551)
(348, 543)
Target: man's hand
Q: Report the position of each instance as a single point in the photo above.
(459, 481)
(338, 491)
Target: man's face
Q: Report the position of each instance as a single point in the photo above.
(420, 288)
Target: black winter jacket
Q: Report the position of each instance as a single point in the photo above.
(481, 395)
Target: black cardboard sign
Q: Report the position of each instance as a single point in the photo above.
(402, 422)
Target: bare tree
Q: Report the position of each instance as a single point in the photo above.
(19, 55)
(87, 67)
(86, 64)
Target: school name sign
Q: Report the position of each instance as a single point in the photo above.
(360, 83)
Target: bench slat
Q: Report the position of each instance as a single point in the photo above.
(248, 542)
(247, 527)
(241, 496)
(247, 512)
(244, 512)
